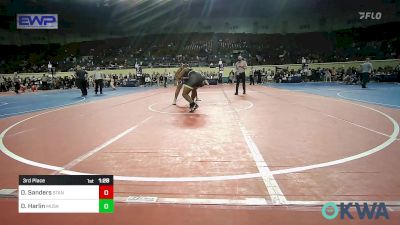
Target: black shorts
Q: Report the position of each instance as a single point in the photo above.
(183, 80)
(195, 80)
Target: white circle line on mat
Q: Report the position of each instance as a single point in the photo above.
(366, 153)
(151, 108)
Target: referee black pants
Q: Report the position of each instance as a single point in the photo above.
(44, 85)
(17, 86)
(82, 84)
(398, 76)
(99, 83)
(241, 78)
(3, 87)
(364, 79)
(251, 80)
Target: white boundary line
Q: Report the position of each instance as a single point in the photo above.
(319, 203)
(12, 155)
(380, 147)
(194, 201)
(312, 95)
(211, 201)
(151, 108)
(106, 96)
(359, 100)
(101, 147)
(40, 109)
(392, 138)
(270, 183)
(3, 103)
(244, 202)
(139, 199)
(360, 126)
(175, 179)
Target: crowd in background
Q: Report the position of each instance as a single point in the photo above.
(350, 75)
(46, 82)
(203, 49)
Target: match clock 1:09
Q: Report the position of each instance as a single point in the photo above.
(104, 180)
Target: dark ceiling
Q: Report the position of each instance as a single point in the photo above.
(122, 17)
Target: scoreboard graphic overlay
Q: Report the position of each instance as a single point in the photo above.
(66, 194)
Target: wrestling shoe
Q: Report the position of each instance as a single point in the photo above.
(193, 106)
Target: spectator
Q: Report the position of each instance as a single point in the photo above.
(165, 79)
(231, 77)
(252, 73)
(334, 74)
(259, 76)
(347, 79)
(33, 86)
(328, 75)
(17, 83)
(113, 83)
(2, 84)
(44, 82)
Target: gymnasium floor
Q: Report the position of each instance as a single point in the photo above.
(279, 150)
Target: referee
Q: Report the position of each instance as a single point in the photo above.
(366, 70)
(241, 66)
(81, 82)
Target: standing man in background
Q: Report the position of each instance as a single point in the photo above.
(165, 79)
(220, 71)
(230, 77)
(2, 84)
(17, 83)
(252, 73)
(98, 80)
(44, 82)
(241, 66)
(81, 82)
(259, 76)
(139, 74)
(328, 75)
(366, 70)
(114, 81)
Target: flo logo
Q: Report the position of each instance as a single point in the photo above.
(370, 15)
(364, 211)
